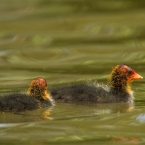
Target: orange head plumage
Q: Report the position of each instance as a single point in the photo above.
(38, 89)
(121, 77)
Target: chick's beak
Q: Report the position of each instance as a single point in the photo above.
(136, 76)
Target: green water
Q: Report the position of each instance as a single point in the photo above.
(67, 41)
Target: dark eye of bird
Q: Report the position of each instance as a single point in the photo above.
(129, 72)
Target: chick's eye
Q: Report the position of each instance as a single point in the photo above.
(130, 72)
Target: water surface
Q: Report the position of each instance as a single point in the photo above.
(64, 42)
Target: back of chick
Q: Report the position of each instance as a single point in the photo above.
(81, 92)
(17, 102)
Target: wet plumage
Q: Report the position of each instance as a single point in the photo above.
(117, 90)
(36, 97)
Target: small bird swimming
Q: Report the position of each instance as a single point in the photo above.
(118, 89)
(36, 97)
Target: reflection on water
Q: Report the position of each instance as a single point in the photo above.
(59, 112)
(69, 41)
(141, 118)
(28, 116)
(88, 110)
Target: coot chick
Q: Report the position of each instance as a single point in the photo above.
(36, 97)
(118, 89)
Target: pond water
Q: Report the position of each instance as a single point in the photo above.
(68, 41)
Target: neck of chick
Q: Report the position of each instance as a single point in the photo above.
(38, 92)
(119, 83)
